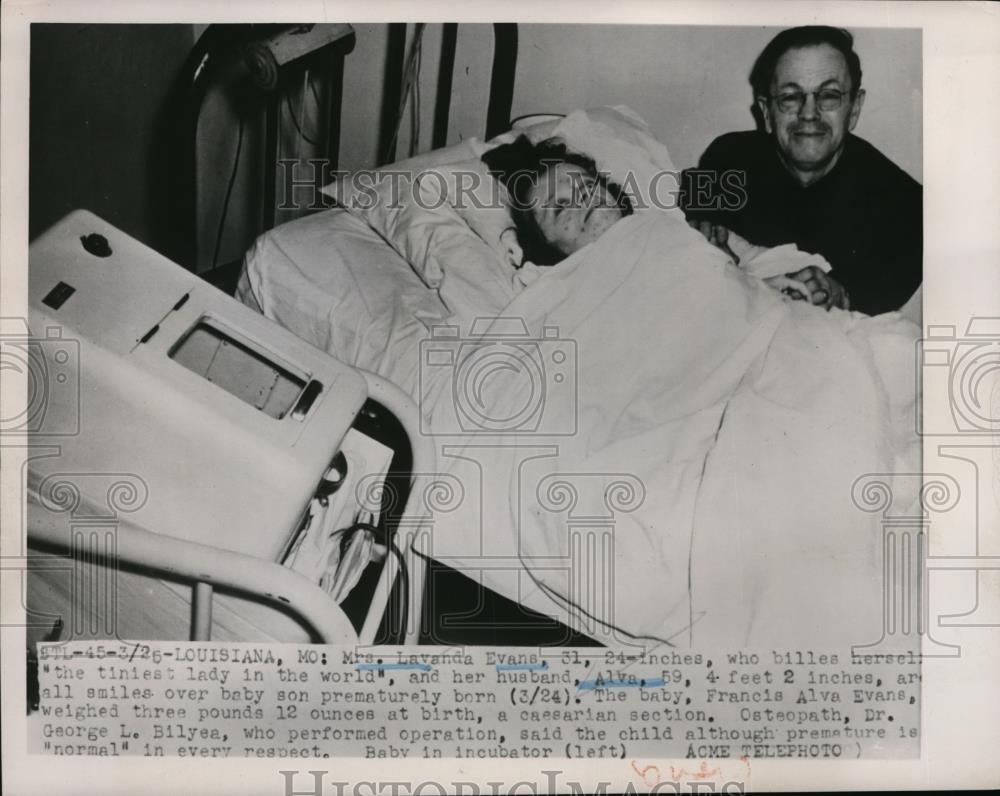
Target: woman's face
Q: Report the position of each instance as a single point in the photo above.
(571, 207)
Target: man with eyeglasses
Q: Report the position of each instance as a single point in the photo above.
(804, 178)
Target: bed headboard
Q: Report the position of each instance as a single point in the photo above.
(253, 62)
(502, 79)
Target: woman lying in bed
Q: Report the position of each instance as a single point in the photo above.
(560, 202)
(742, 421)
(745, 420)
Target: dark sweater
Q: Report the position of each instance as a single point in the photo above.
(865, 217)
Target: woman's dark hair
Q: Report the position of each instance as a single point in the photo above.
(519, 165)
(796, 39)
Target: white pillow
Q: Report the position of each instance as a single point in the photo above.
(419, 205)
(481, 201)
(411, 211)
(336, 284)
(463, 150)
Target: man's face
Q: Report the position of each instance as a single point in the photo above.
(571, 207)
(811, 139)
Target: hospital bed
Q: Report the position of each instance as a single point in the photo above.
(154, 566)
(651, 537)
(399, 294)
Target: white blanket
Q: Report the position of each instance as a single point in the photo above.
(710, 427)
(695, 484)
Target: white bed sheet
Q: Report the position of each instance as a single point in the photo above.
(334, 282)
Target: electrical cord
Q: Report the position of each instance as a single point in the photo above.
(229, 194)
(415, 107)
(315, 93)
(412, 67)
(361, 526)
(295, 121)
(404, 589)
(404, 574)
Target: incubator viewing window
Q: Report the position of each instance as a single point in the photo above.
(235, 367)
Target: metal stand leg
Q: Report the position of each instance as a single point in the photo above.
(201, 611)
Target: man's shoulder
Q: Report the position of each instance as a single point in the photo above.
(737, 149)
(869, 162)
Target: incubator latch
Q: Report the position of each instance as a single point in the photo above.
(333, 479)
(306, 400)
(96, 244)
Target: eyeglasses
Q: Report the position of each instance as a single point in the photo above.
(827, 99)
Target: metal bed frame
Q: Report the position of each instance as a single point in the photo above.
(207, 567)
(230, 55)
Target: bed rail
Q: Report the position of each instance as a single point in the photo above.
(409, 536)
(208, 567)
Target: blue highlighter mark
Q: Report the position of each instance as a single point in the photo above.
(382, 667)
(590, 685)
(523, 667)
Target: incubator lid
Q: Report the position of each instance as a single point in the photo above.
(126, 288)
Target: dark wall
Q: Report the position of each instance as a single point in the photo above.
(99, 96)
